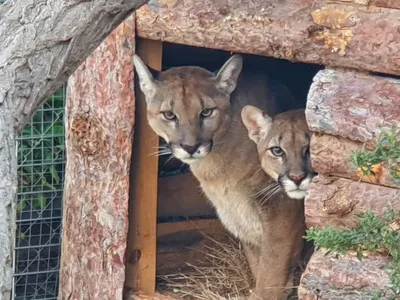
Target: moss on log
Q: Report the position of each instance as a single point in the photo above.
(330, 156)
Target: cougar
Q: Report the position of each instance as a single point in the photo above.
(198, 114)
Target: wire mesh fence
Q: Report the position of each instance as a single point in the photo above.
(41, 163)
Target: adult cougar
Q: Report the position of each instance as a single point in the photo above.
(198, 114)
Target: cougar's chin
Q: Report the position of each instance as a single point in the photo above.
(295, 191)
(296, 194)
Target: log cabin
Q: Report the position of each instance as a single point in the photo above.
(129, 217)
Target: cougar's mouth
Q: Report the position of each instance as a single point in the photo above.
(191, 153)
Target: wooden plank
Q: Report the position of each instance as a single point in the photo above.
(344, 277)
(330, 155)
(155, 296)
(319, 32)
(180, 243)
(181, 196)
(336, 201)
(100, 106)
(206, 226)
(353, 105)
(141, 252)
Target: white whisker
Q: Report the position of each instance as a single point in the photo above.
(266, 189)
(270, 194)
(161, 152)
(169, 159)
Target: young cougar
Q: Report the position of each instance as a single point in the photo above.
(198, 114)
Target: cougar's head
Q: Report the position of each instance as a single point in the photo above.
(283, 147)
(189, 107)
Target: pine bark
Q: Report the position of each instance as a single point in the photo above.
(332, 33)
(336, 202)
(345, 277)
(41, 45)
(353, 105)
(101, 107)
(331, 156)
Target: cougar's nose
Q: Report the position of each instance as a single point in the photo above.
(297, 178)
(190, 149)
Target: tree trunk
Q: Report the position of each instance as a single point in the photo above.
(8, 193)
(353, 105)
(344, 277)
(336, 201)
(41, 44)
(330, 156)
(100, 108)
(44, 42)
(343, 34)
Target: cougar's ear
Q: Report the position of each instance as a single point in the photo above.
(228, 75)
(148, 84)
(256, 122)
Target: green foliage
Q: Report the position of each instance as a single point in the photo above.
(41, 155)
(387, 150)
(372, 233)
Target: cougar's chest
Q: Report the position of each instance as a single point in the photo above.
(236, 210)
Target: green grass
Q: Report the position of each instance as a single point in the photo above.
(373, 233)
(387, 150)
(41, 154)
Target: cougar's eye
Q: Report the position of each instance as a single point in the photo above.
(207, 112)
(277, 151)
(169, 115)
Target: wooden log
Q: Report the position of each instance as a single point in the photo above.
(353, 105)
(385, 3)
(344, 277)
(99, 144)
(180, 196)
(330, 155)
(336, 201)
(141, 249)
(342, 34)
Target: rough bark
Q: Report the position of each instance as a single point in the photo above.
(336, 201)
(353, 105)
(100, 121)
(344, 277)
(41, 44)
(8, 192)
(330, 155)
(384, 3)
(341, 34)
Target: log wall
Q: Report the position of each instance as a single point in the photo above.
(100, 119)
(354, 34)
(345, 277)
(347, 110)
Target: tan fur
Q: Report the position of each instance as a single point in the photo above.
(225, 160)
(290, 133)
